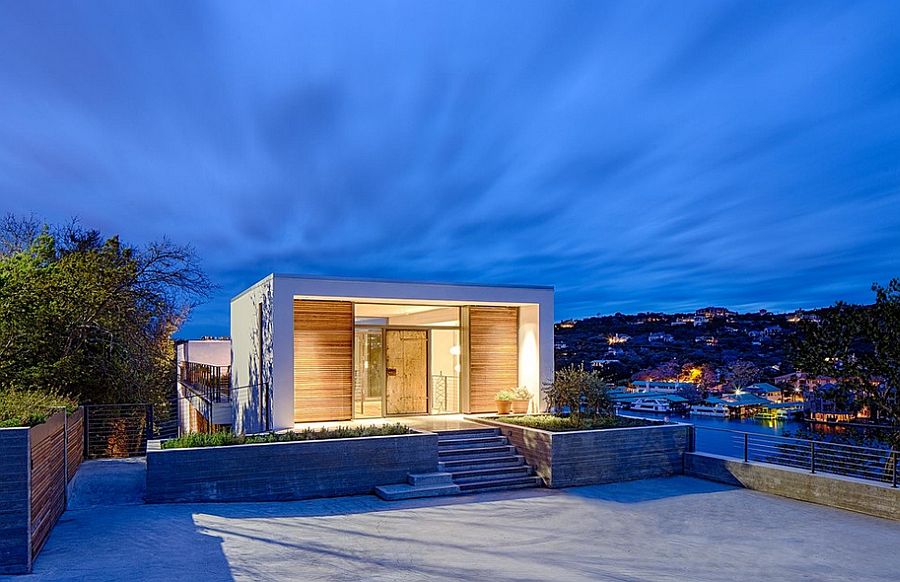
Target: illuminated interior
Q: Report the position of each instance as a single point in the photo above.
(407, 359)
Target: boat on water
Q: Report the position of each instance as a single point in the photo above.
(772, 414)
(660, 405)
(718, 409)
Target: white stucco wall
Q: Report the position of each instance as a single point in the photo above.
(212, 352)
(249, 372)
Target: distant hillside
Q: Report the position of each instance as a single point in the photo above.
(712, 336)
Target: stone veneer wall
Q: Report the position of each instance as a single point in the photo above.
(822, 488)
(569, 459)
(15, 514)
(287, 471)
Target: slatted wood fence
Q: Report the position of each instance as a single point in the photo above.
(36, 467)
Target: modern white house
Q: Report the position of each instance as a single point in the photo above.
(309, 349)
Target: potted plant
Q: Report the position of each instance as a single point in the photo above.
(521, 400)
(504, 400)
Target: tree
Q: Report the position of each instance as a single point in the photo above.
(743, 374)
(859, 346)
(91, 317)
(581, 392)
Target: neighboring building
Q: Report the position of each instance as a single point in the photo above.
(567, 324)
(713, 312)
(204, 384)
(699, 320)
(660, 387)
(601, 364)
(828, 403)
(764, 390)
(801, 382)
(617, 338)
(660, 337)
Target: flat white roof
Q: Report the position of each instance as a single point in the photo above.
(323, 279)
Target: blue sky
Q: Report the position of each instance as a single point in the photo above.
(638, 156)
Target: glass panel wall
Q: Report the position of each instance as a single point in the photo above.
(368, 373)
(445, 369)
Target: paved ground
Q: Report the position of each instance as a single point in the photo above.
(662, 529)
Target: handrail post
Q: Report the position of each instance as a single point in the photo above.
(812, 456)
(746, 447)
(894, 453)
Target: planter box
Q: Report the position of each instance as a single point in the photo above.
(36, 465)
(590, 457)
(287, 471)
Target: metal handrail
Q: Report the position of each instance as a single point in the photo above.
(778, 436)
(870, 463)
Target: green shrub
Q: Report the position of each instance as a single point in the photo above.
(505, 395)
(224, 439)
(30, 407)
(522, 393)
(579, 392)
(553, 423)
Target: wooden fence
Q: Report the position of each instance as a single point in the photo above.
(36, 467)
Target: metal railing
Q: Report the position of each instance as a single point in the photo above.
(870, 463)
(117, 430)
(208, 381)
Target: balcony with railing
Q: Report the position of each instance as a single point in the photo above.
(212, 383)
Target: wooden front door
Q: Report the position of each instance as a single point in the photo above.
(406, 363)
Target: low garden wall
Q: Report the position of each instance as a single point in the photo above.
(288, 470)
(822, 488)
(589, 457)
(36, 465)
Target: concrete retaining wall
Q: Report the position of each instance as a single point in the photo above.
(15, 513)
(588, 457)
(287, 471)
(833, 490)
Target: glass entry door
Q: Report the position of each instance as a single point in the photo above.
(406, 367)
(368, 373)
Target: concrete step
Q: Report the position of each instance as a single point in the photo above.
(491, 474)
(476, 452)
(467, 433)
(471, 443)
(485, 463)
(430, 479)
(500, 484)
(407, 491)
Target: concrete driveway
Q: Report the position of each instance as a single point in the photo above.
(662, 529)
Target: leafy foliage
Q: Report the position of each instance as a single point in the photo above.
(225, 438)
(554, 423)
(505, 395)
(89, 316)
(30, 407)
(581, 392)
(859, 346)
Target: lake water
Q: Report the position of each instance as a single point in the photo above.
(732, 444)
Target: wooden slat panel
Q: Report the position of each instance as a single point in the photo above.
(407, 354)
(323, 360)
(75, 438)
(48, 480)
(493, 354)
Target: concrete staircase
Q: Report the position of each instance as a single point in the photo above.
(470, 461)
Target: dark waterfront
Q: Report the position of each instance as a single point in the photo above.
(731, 444)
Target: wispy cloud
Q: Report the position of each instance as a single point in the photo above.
(637, 156)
